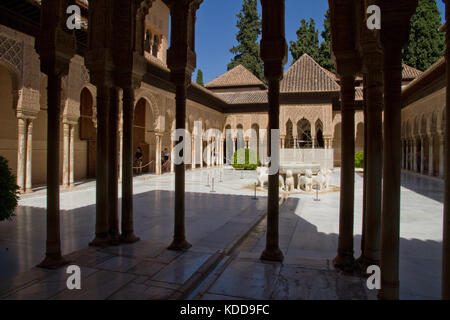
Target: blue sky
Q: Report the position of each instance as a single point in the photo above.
(216, 29)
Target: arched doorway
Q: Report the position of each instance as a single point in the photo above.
(139, 135)
(289, 143)
(319, 134)
(304, 133)
(88, 131)
(240, 137)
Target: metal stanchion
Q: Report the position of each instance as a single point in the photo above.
(254, 197)
(221, 175)
(242, 173)
(316, 186)
(212, 186)
(207, 180)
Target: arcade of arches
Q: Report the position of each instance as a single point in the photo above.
(312, 108)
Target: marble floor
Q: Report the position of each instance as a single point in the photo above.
(215, 221)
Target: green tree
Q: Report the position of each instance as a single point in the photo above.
(200, 77)
(9, 191)
(426, 44)
(325, 47)
(307, 41)
(247, 51)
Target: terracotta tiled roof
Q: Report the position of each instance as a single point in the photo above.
(244, 97)
(306, 75)
(236, 77)
(410, 72)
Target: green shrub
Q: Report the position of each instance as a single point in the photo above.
(359, 159)
(9, 191)
(245, 159)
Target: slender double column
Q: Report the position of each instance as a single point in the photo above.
(102, 164)
(24, 154)
(179, 237)
(272, 251)
(391, 174)
(113, 166)
(274, 55)
(21, 152)
(373, 169)
(127, 235)
(53, 257)
(345, 260)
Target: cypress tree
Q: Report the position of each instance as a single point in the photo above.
(426, 44)
(247, 51)
(200, 77)
(325, 47)
(307, 41)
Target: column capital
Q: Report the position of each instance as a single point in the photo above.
(273, 43)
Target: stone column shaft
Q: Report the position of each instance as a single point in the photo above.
(66, 142)
(102, 164)
(127, 235)
(21, 154)
(53, 255)
(113, 168)
(272, 251)
(373, 169)
(344, 260)
(29, 160)
(390, 221)
(179, 237)
(71, 155)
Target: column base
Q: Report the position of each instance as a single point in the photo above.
(53, 262)
(177, 245)
(114, 238)
(272, 255)
(129, 237)
(344, 262)
(362, 263)
(100, 241)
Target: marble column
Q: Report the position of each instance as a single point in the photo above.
(121, 154)
(422, 155)
(201, 151)
(431, 155)
(282, 143)
(113, 167)
(179, 238)
(273, 36)
(102, 198)
(53, 256)
(158, 137)
(127, 235)
(21, 152)
(193, 150)
(66, 150)
(344, 259)
(29, 162)
(373, 163)
(71, 155)
(172, 165)
(208, 154)
(394, 36)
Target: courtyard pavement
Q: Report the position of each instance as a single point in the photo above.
(215, 223)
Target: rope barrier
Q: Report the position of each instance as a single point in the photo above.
(142, 167)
